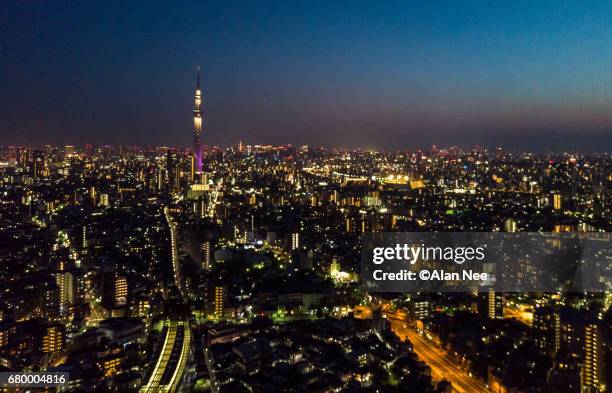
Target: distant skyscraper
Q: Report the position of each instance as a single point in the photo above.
(23, 158)
(38, 164)
(173, 167)
(197, 131)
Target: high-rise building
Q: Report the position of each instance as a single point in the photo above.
(572, 332)
(295, 241)
(490, 304)
(206, 255)
(104, 200)
(591, 374)
(114, 289)
(547, 329)
(65, 282)
(218, 301)
(83, 239)
(557, 201)
(334, 268)
(111, 363)
(197, 131)
(53, 339)
(7, 329)
(143, 308)
(38, 164)
(50, 300)
(419, 309)
(92, 194)
(509, 225)
(23, 158)
(350, 224)
(173, 167)
(121, 291)
(192, 176)
(335, 197)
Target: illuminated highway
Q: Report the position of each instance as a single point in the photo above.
(153, 385)
(182, 361)
(170, 364)
(178, 279)
(428, 352)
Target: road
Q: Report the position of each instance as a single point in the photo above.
(153, 385)
(214, 385)
(521, 314)
(173, 359)
(441, 366)
(176, 264)
(183, 357)
(171, 356)
(96, 313)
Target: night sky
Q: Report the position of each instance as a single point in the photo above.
(526, 75)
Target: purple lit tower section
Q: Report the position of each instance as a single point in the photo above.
(197, 122)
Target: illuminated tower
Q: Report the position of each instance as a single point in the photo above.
(197, 122)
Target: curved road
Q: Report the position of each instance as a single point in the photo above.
(441, 366)
(171, 355)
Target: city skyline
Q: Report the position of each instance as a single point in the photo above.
(399, 77)
(306, 197)
(128, 273)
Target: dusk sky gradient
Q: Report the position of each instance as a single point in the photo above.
(395, 75)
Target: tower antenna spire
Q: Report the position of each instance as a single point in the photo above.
(197, 131)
